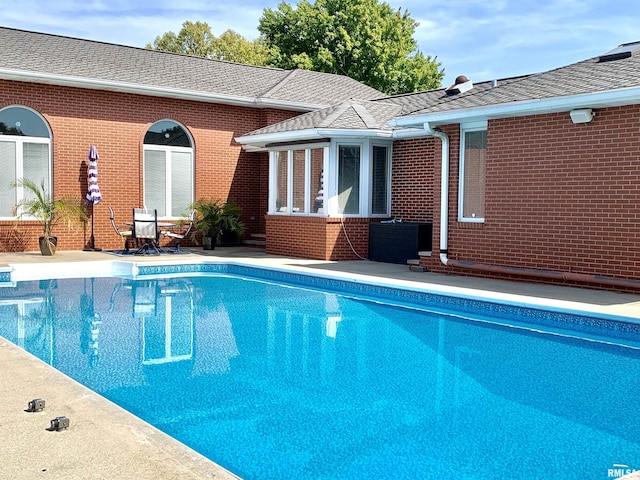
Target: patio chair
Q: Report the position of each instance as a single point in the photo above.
(145, 230)
(179, 232)
(126, 233)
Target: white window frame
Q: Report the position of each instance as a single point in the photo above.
(465, 128)
(19, 142)
(389, 147)
(169, 150)
(330, 183)
(288, 209)
(363, 203)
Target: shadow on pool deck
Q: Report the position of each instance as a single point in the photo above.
(106, 442)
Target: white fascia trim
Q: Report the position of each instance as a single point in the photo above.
(194, 95)
(310, 134)
(288, 105)
(409, 133)
(611, 98)
(262, 140)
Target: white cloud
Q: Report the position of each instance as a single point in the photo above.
(483, 40)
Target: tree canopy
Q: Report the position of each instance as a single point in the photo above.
(363, 39)
(196, 38)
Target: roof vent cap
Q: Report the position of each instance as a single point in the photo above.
(461, 85)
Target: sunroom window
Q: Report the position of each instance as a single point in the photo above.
(168, 169)
(25, 152)
(349, 179)
(282, 181)
(380, 180)
(341, 178)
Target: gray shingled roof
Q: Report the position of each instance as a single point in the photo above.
(349, 115)
(418, 102)
(587, 77)
(583, 78)
(57, 58)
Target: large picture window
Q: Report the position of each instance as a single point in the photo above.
(472, 173)
(168, 169)
(25, 152)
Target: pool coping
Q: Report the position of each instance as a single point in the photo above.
(103, 440)
(13, 273)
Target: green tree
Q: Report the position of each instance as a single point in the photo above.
(196, 38)
(233, 47)
(363, 39)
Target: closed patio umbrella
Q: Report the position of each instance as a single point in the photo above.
(93, 192)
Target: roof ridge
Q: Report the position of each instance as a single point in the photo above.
(339, 110)
(286, 79)
(364, 114)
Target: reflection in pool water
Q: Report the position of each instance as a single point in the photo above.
(275, 381)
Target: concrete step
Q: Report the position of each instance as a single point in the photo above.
(257, 240)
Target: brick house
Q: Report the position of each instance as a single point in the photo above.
(535, 177)
(163, 125)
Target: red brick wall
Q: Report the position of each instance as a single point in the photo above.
(412, 179)
(116, 124)
(559, 196)
(317, 238)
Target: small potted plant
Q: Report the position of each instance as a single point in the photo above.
(212, 218)
(41, 206)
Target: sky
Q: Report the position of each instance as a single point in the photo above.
(483, 40)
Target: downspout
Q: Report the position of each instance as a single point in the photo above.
(444, 191)
(503, 269)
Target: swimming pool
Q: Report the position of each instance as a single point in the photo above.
(337, 379)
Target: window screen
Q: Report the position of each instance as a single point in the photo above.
(473, 180)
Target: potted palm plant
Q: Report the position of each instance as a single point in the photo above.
(212, 218)
(231, 227)
(41, 206)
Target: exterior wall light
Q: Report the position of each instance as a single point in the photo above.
(583, 115)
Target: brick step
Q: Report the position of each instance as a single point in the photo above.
(414, 265)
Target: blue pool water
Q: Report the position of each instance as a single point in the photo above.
(277, 381)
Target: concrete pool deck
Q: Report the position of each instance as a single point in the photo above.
(106, 442)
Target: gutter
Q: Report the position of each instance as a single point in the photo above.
(261, 141)
(158, 91)
(292, 136)
(495, 268)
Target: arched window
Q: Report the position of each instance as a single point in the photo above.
(168, 169)
(25, 152)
